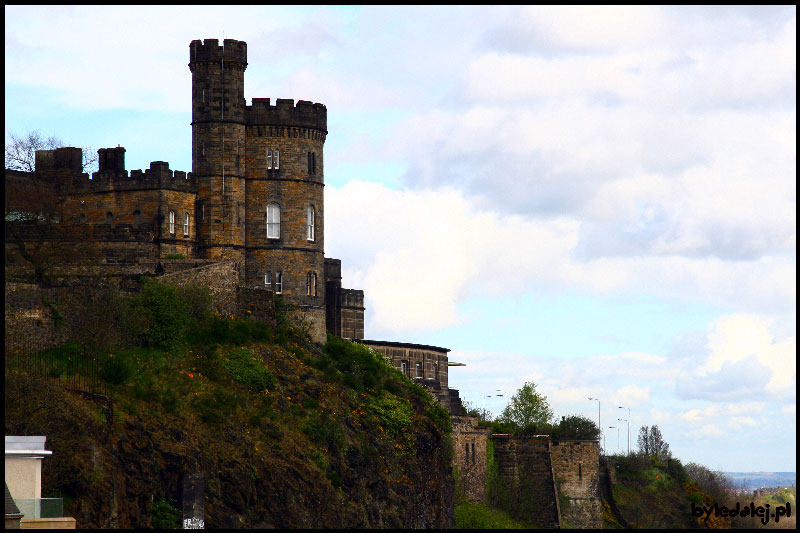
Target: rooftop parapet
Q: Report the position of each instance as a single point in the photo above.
(285, 113)
(210, 50)
(157, 176)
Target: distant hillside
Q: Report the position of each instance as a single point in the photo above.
(757, 480)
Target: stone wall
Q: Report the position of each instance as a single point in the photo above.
(524, 485)
(221, 278)
(576, 469)
(469, 443)
(255, 303)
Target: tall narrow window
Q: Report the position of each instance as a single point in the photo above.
(268, 280)
(419, 369)
(278, 282)
(186, 224)
(172, 222)
(404, 367)
(273, 221)
(311, 284)
(269, 159)
(277, 159)
(310, 223)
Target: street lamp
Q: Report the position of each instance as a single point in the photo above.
(600, 427)
(617, 428)
(629, 426)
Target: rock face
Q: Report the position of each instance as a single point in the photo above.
(111, 465)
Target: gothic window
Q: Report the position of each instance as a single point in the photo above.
(268, 279)
(310, 223)
(278, 282)
(186, 224)
(273, 221)
(172, 222)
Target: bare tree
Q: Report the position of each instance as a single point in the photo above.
(21, 152)
(38, 225)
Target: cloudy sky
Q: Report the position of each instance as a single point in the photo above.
(598, 200)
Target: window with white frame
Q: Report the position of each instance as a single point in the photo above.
(186, 224)
(273, 159)
(310, 223)
(273, 221)
(278, 282)
(268, 279)
(172, 222)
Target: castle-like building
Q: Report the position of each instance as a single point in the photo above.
(254, 195)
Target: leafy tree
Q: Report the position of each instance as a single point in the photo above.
(652, 444)
(576, 427)
(527, 408)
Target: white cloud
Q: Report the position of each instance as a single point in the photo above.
(733, 338)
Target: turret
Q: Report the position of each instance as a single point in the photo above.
(218, 145)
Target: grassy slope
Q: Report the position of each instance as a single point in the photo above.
(287, 435)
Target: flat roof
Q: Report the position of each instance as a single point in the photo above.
(404, 345)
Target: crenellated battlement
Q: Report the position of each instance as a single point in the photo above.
(209, 50)
(285, 113)
(158, 176)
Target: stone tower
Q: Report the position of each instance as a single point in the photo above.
(285, 206)
(218, 146)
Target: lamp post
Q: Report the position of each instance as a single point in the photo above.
(629, 426)
(617, 428)
(600, 427)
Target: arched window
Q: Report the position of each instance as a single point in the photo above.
(273, 221)
(310, 223)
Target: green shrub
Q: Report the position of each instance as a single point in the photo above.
(117, 370)
(165, 515)
(394, 413)
(325, 431)
(478, 516)
(243, 367)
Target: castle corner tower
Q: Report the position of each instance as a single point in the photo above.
(218, 146)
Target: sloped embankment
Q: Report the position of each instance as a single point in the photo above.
(284, 433)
